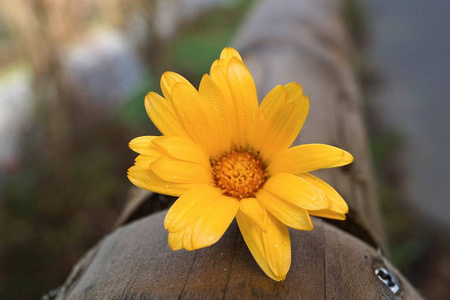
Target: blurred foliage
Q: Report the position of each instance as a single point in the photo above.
(197, 45)
(133, 112)
(54, 208)
(58, 200)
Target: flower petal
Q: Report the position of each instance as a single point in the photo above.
(147, 179)
(268, 112)
(278, 247)
(193, 112)
(143, 161)
(218, 113)
(214, 222)
(293, 90)
(252, 235)
(175, 240)
(347, 159)
(187, 238)
(329, 214)
(337, 203)
(168, 81)
(253, 210)
(285, 119)
(245, 99)
(307, 158)
(271, 249)
(174, 170)
(182, 149)
(162, 114)
(219, 74)
(209, 227)
(228, 53)
(190, 207)
(297, 191)
(144, 145)
(291, 215)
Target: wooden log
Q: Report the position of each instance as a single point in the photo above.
(135, 262)
(282, 41)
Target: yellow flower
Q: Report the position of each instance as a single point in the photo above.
(226, 157)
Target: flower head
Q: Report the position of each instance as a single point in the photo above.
(225, 156)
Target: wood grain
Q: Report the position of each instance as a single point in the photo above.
(135, 262)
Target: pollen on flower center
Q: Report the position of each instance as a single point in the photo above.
(239, 174)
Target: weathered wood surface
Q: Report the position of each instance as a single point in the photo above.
(136, 263)
(282, 41)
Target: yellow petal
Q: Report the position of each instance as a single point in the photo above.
(147, 179)
(187, 238)
(214, 222)
(252, 235)
(297, 191)
(219, 74)
(293, 90)
(347, 159)
(162, 114)
(228, 53)
(291, 215)
(270, 110)
(218, 113)
(182, 149)
(278, 247)
(175, 240)
(271, 249)
(209, 228)
(143, 161)
(337, 204)
(285, 120)
(253, 210)
(329, 214)
(307, 158)
(174, 170)
(144, 145)
(194, 115)
(245, 99)
(168, 80)
(189, 207)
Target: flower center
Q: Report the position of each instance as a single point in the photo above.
(239, 174)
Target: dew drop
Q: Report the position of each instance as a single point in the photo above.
(276, 246)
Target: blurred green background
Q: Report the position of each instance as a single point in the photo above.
(73, 76)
